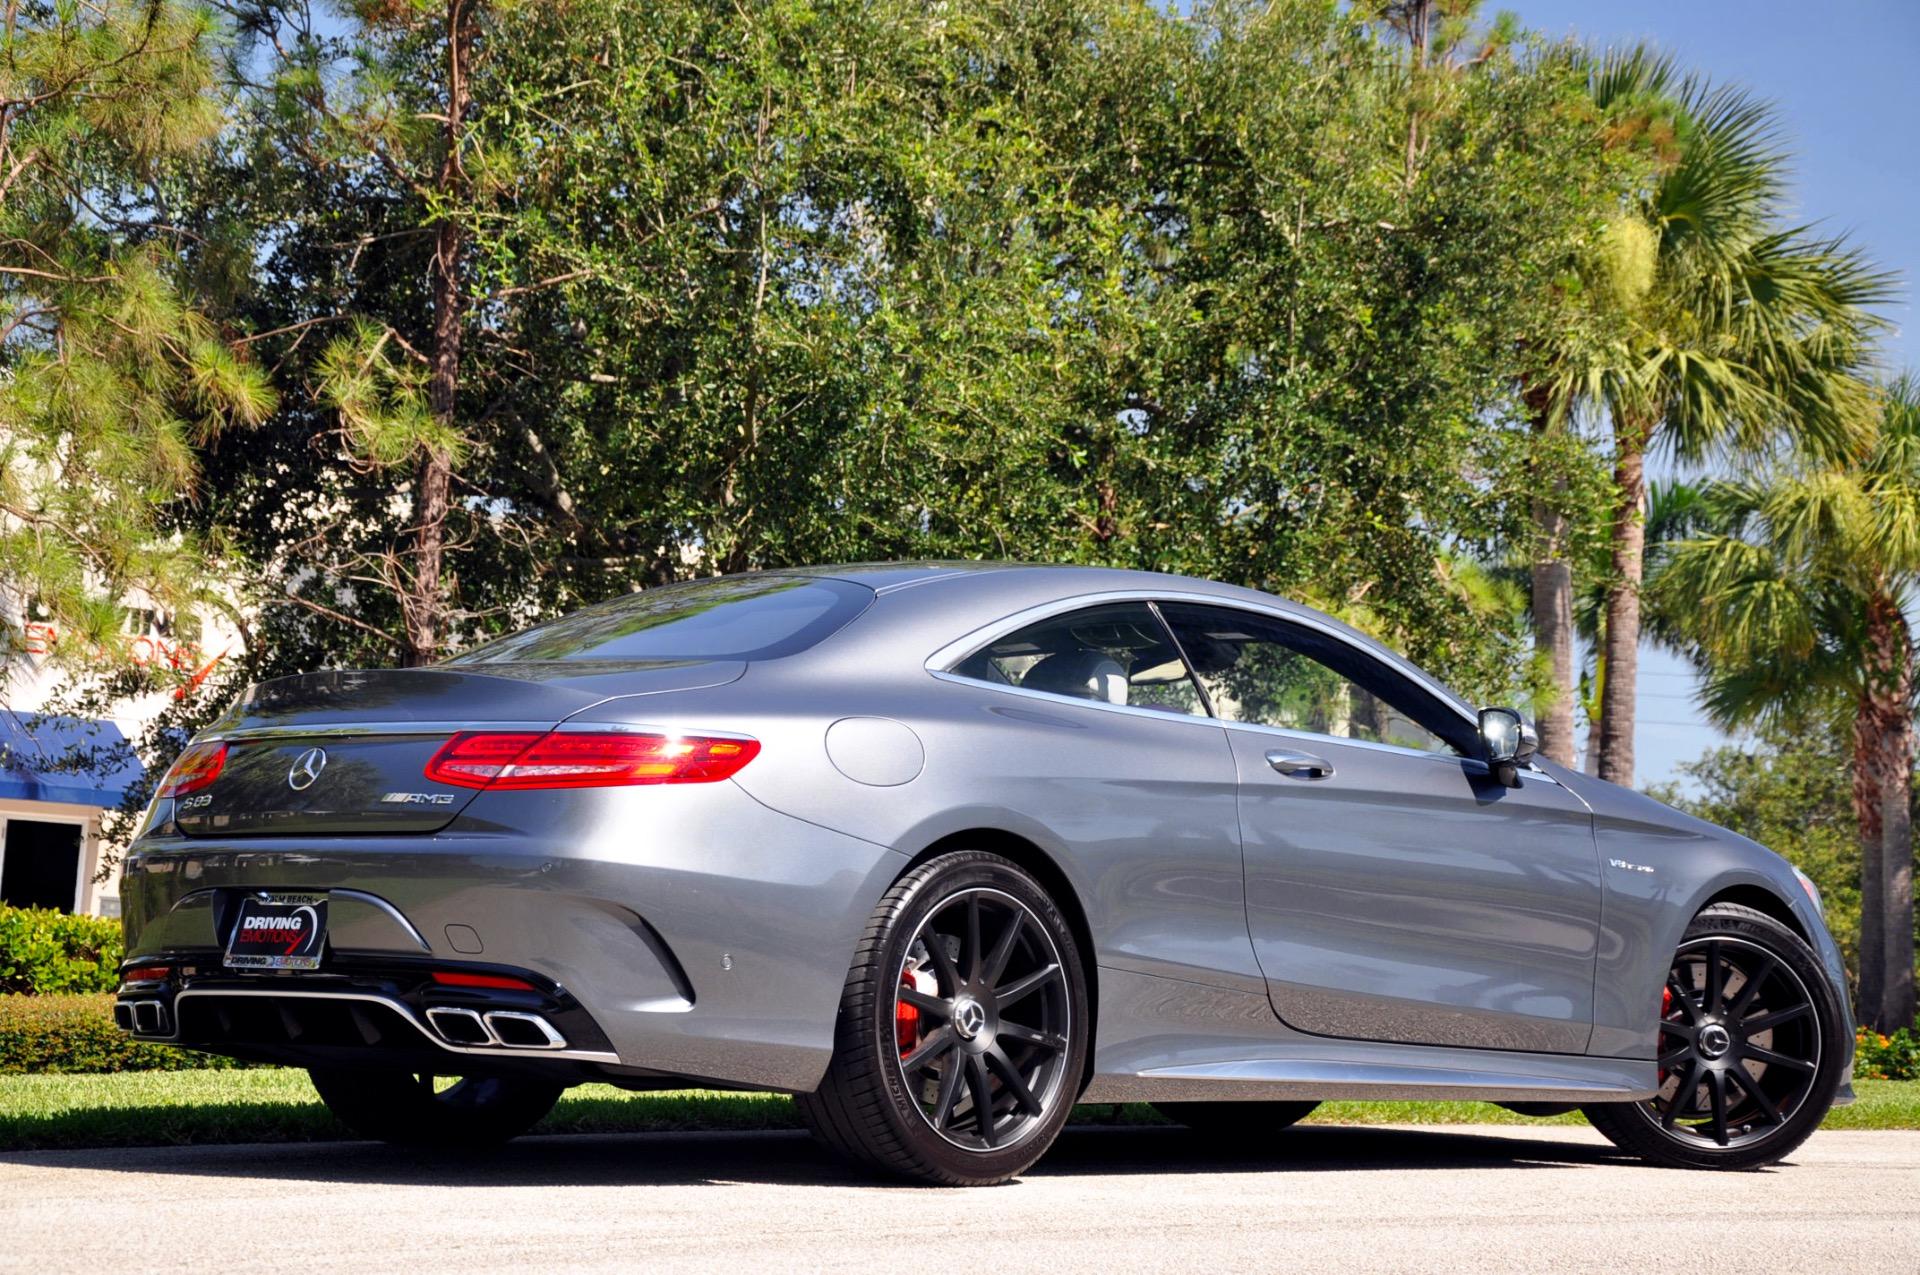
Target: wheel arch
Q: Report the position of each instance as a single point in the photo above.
(1048, 872)
(1760, 899)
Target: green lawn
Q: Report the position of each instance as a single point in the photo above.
(157, 1108)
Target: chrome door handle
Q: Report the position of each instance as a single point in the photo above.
(1291, 763)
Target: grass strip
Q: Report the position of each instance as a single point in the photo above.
(184, 1108)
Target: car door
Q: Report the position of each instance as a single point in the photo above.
(1395, 890)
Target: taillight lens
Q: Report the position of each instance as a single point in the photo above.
(513, 759)
(195, 769)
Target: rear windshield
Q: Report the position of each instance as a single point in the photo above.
(748, 617)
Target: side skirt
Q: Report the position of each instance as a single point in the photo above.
(1165, 1040)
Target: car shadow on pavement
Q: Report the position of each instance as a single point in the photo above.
(791, 1158)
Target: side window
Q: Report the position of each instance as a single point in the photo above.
(1271, 673)
(1113, 654)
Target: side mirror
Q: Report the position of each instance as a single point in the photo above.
(1507, 743)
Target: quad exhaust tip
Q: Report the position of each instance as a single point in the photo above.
(507, 1029)
(142, 1018)
(516, 1030)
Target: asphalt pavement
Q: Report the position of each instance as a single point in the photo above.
(1105, 1200)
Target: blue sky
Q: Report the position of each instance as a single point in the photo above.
(1842, 74)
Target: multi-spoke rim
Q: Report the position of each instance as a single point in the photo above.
(1739, 1044)
(982, 1020)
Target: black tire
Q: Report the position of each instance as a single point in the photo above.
(1236, 1121)
(1750, 1067)
(924, 1028)
(404, 1108)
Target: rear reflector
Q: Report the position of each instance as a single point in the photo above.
(513, 759)
(193, 770)
(143, 974)
(459, 978)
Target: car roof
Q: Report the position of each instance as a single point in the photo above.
(884, 577)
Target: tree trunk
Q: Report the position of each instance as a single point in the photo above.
(1552, 602)
(1419, 22)
(1622, 644)
(425, 603)
(1882, 800)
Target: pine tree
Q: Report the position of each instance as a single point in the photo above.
(111, 367)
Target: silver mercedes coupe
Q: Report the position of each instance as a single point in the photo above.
(943, 848)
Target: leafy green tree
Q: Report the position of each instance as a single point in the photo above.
(117, 356)
(1794, 601)
(1360, 369)
(752, 285)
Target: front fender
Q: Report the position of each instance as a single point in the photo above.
(1659, 868)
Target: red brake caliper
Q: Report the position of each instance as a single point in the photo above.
(1666, 1008)
(906, 1018)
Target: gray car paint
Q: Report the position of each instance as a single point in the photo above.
(1411, 897)
(709, 928)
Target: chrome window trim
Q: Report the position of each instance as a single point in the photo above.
(1346, 741)
(1049, 697)
(942, 661)
(1473, 765)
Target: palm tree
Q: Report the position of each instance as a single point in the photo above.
(1734, 333)
(1674, 512)
(1795, 605)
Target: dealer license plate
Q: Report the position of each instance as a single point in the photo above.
(279, 932)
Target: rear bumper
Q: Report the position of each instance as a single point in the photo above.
(679, 931)
(363, 1013)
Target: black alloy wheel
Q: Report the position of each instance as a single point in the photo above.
(419, 1110)
(1750, 1050)
(982, 1048)
(962, 1035)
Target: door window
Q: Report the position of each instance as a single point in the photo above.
(1266, 672)
(1112, 655)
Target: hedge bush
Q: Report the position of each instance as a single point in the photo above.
(44, 952)
(1895, 1057)
(45, 1035)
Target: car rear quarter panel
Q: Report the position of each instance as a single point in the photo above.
(1137, 811)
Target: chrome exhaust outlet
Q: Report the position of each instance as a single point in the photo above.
(516, 1030)
(123, 1015)
(461, 1026)
(149, 1018)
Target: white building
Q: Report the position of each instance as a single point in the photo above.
(50, 815)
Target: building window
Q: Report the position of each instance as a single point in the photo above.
(40, 864)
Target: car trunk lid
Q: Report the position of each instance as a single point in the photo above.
(346, 752)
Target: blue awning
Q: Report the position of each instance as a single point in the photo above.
(70, 759)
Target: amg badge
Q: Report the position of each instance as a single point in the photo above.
(418, 798)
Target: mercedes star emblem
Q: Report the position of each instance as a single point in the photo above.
(306, 768)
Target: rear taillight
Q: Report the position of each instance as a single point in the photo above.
(566, 759)
(195, 769)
